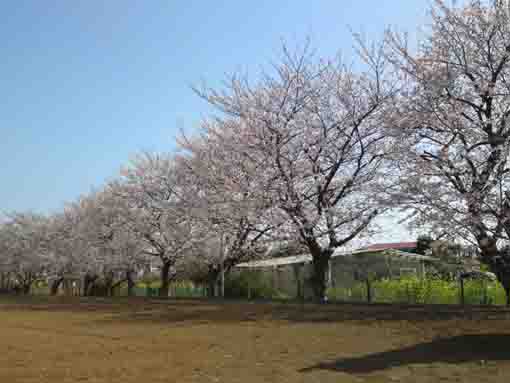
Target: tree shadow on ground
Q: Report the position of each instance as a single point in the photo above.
(454, 350)
(234, 312)
(227, 311)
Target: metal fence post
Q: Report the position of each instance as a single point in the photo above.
(369, 291)
(462, 296)
(485, 292)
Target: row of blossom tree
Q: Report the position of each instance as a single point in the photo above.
(309, 152)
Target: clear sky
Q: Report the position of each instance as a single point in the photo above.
(86, 83)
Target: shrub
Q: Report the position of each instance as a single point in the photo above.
(483, 292)
(254, 284)
(414, 290)
(356, 293)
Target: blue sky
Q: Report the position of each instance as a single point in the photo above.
(86, 83)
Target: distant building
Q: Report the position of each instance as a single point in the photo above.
(291, 275)
(402, 246)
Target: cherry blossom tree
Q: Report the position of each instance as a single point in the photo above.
(6, 272)
(453, 126)
(67, 249)
(227, 198)
(129, 257)
(24, 250)
(156, 211)
(74, 244)
(115, 250)
(314, 128)
(87, 239)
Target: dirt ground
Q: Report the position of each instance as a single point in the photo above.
(47, 340)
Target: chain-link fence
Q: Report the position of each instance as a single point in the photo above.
(414, 290)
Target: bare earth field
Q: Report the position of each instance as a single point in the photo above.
(47, 340)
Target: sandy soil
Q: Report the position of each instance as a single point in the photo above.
(47, 340)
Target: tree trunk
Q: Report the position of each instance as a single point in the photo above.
(109, 286)
(212, 282)
(320, 270)
(55, 285)
(68, 287)
(507, 291)
(4, 284)
(26, 287)
(497, 261)
(110, 289)
(88, 284)
(130, 283)
(165, 282)
(505, 282)
(211, 288)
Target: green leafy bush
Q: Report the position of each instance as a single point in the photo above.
(356, 293)
(483, 292)
(253, 284)
(187, 289)
(412, 289)
(415, 290)
(180, 289)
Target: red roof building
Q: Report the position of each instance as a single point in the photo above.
(394, 246)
